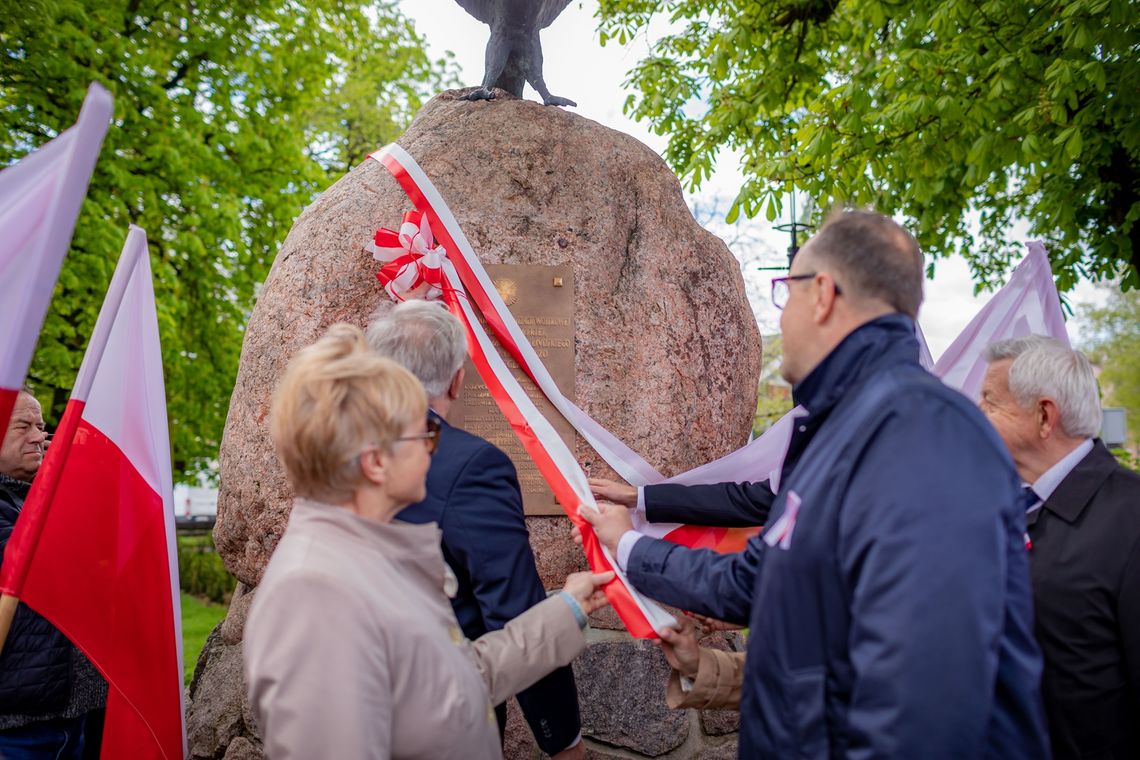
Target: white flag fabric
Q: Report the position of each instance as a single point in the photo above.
(1028, 304)
(40, 198)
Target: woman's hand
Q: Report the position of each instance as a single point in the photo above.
(586, 588)
(680, 648)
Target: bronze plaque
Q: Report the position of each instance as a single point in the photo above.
(541, 298)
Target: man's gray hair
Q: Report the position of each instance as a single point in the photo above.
(425, 338)
(871, 256)
(1044, 367)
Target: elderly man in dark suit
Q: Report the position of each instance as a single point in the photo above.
(473, 495)
(1083, 518)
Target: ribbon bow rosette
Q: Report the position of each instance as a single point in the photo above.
(412, 262)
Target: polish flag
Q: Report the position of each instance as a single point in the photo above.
(93, 550)
(40, 199)
(1026, 305)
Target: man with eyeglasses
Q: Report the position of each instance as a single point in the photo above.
(888, 598)
(717, 505)
(473, 495)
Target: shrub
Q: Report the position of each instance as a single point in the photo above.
(201, 571)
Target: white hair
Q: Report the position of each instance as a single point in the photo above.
(1046, 368)
(425, 338)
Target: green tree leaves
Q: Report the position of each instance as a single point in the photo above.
(939, 110)
(228, 120)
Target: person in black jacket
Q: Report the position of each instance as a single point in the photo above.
(47, 687)
(715, 505)
(1083, 517)
(473, 495)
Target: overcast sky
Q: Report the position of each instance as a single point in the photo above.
(578, 67)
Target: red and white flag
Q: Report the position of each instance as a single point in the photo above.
(40, 199)
(93, 550)
(1027, 304)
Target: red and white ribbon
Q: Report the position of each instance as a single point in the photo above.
(411, 259)
(464, 281)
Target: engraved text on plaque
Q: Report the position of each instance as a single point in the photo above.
(541, 298)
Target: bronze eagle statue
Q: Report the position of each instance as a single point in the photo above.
(514, 53)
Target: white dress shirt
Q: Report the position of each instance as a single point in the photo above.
(1045, 485)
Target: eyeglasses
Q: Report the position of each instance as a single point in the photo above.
(431, 436)
(781, 290)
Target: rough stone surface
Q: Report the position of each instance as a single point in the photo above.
(720, 722)
(726, 751)
(242, 748)
(621, 692)
(555, 553)
(233, 625)
(606, 619)
(667, 348)
(214, 713)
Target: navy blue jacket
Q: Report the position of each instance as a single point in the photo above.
(35, 667)
(473, 495)
(897, 620)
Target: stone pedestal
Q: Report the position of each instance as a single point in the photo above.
(667, 356)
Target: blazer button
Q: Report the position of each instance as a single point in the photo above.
(456, 634)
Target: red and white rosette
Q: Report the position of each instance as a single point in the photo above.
(465, 286)
(412, 261)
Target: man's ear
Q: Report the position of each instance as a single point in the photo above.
(824, 293)
(1048, 417)
(374, 466)
(456, 384)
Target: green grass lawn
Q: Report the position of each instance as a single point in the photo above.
(199, 617)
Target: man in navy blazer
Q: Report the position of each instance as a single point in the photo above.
(473, 495)
(888, 598)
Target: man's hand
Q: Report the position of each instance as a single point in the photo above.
(611, 490)
(680, 648)
(712, 625)
(577, 752)
(586, 588)
(610, 523)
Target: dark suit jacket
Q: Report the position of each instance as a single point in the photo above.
(1085, 567)
(473, 494)
(719, 505)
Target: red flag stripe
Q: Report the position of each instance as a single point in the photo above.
(130, 644)
(7, 401)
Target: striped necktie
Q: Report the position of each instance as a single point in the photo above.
(1029, 502)
(1029, 498)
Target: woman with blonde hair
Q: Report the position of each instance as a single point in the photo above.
(351, 648)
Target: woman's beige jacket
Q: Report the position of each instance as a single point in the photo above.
(352, 650)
